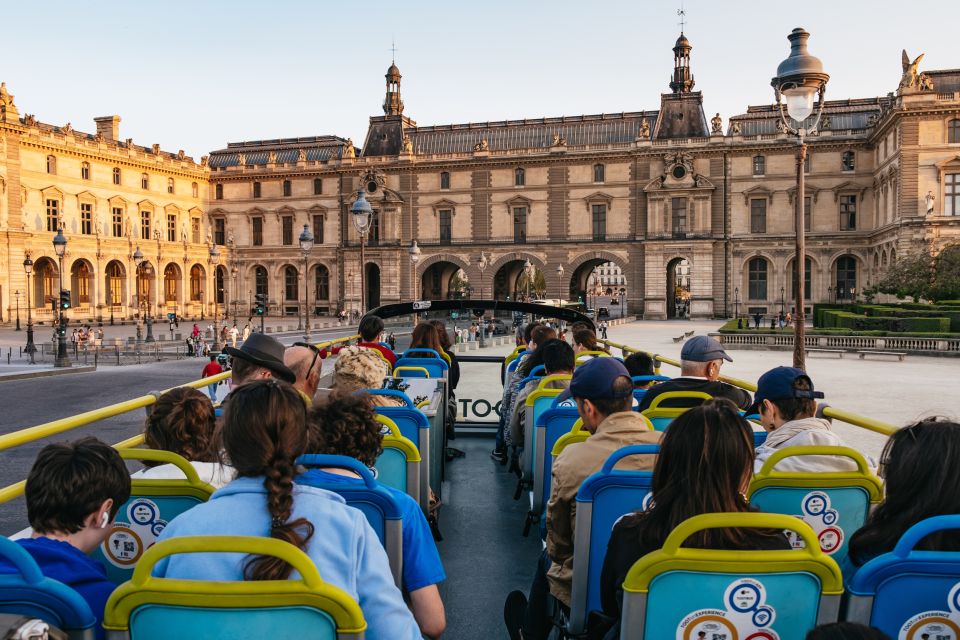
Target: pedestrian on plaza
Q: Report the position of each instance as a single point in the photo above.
(757, 319)
(392, 341)
(196, 330)
(603, 329)
(789, 319)
(74, 338)
(234, 334)
(99, 336)
(781, 320)
(246, 331)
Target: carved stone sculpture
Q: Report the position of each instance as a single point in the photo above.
(925, 82)
(242, 159)
(204, 160)
(929, 198)
(181, 154)
(482, 145)
(272, 157)
(67, 129)
(407, 143)
(735, 128)
(909, 78)
(716, 124)
(30, 120)
(155, 148)
(301, 156)
(644, 129)
(349, 151)
(825, 123)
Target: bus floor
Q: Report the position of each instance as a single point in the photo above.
(483, 552)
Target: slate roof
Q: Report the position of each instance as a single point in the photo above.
(945, 80)
(844, 114)
(317, 148)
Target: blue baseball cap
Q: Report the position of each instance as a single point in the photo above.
(703, 349)
(779, 384)
(594, 379)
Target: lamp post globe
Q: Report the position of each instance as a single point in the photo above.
(362, 214)
(30, 348)
(306, 246)
(60, 247)
(559, 284)
(215, 262)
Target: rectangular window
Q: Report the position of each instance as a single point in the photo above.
(53, 215)
(444, 180)
(171, 227)
(806, 213)
(170, 188)
(318, 229)
(679, 214)
(257, 232)
(807, 162)
(85, 171)
(256, 189)
(218, 192)
(195, 230)
(599, 212)
(848, 161)
(219, 231)
(759, 165)
(317, 186)
(374, 234)
(758, 215)
(287, 230)
(116, 175)
(520, 225)
(287, 188)
(144, 181)
(446, 223)
(951, 194)
(117, 214)
(144, 225)
(848, 213)
(86, 219)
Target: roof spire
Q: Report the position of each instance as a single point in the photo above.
(683, 17)
(393, 51)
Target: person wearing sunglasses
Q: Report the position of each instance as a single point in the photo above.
(306, 362)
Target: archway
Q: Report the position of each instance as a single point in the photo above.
(510, 281)
(444, 280)
(81, 283)
(593, 284)
(116, 285)
(45, 282)
(372, 276)
(678, 288)
(171, 287)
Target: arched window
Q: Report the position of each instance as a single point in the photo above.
(218, 278)
(807, 281)
(116, 175)
(52, 164)
(85, 171)
(290, 283)
(114, 284)
(846, 278)
(757, 273)
(322, 284)
(196, 282)
(444, 179)
(169, 185)
(599, 172)
(848, 161)
(144, 181)
(170, 283)
(759, 165)
(519, 177)
(953, 130)
(260, 279)
(82, 293)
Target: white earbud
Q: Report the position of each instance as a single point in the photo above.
(105, 520)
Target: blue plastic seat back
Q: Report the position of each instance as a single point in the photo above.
(27, 592)
(410, 421)
(556, 422)
(907, 593)
(391, 393)
(391, 469)
(427, 358)
(165, 621)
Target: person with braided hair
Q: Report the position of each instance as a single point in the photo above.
(264, 431)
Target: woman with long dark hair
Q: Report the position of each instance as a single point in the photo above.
(446, 344)
(704, 466)
(264, 431)
(920, 466)
(425, 336)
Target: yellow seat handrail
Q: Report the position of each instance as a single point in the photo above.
(553, 377)
(397, 370)
(567, 439)
(513, 354)
(863, 477)
(143, 588)
(166, 457)
(672, 395)
(595, 354)
(397, 440)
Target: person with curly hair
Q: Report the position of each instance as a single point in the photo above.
(182, 422)
(346, 426)
(357, 369)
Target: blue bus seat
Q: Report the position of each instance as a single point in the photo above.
(152, 504)
(835, 504)
(410, 372)
(679, 592)
(28, 593)
(377, 504)
(537, 372)
(908, 593)
(551, 424)
(390, 393)
(661, 417)
(537, 402)
(399, 464)
(431, 361)
(603, 498)
(415, 427)
(150, 608)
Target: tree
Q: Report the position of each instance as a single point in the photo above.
(921, 275)
(945, 284)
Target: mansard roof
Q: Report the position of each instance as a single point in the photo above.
(945, 80)
(844, 114)
(44, 127)
(257, 152)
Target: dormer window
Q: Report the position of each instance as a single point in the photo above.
(848, 161)
(519, 177)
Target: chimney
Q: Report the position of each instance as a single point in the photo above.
(108, 127)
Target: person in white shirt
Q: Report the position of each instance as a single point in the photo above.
(234, 334)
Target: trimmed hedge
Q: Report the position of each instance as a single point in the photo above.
(859, 322)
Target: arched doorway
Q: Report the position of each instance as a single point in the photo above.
(596, 283)
(512, 282)
(678, 288)
(45, 283)
(321, 289)
(116, 286)
(372, 277)
(171, 287)
(444, 281)
(220, 278)
(81, 283)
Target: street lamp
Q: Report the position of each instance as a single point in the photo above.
(30, 348)
(138, 263)
(214, 262)
(362, 214)
(147, 272)
(623, 295)
(482, 264)
(414, 252)
(560, 284)
(782, 301)
(17, 294)
(233, 272)
(528, 271)
(60, 246)
(306, 246)
(800, 79)
(736, 303)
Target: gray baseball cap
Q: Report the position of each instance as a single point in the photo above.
(703, 349)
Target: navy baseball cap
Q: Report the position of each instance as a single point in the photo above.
(703, 349)
(779, 384)
(594, 379)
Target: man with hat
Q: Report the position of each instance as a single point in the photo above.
(260, 356)
(700, 362)
(603, 392)
(787, 404)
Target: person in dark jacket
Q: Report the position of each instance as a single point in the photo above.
(73, 494)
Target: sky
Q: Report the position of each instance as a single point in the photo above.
(196, 75)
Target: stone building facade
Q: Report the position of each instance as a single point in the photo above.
(110, 197)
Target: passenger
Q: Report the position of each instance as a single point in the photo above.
(603, 392)
(425, 336)
(538, 336)
(920, 465)
(704, 466)
(846, 631)
(346, 426)
(73, 493)
(264, 431)
(640, 363)
(183, 422)
(356, 369)
(306, 362)
(700, 362)
(786, 402)
(371, 331)
(453, 376)
(557, 358)
(585, 339)
(259, 357)
(499, 452)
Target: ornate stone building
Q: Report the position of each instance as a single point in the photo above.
(660, 193)
(111, 197)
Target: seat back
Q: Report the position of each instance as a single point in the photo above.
(149, 608)
(909, 593)
(679, 592)
(585, 356)
(407, 371)
(550, 426)
(661, 416)
(374, 501)
(834, 503)
(425, 358)
(603, 498)
(399, 466)
(27, 592)
(390, 393)
(152, 504)
(537, 372)
(538, 401)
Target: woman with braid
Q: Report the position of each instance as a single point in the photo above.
(264, 431)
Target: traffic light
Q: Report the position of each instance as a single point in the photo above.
(260, 308)
(64, 299)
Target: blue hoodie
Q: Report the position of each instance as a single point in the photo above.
(65, 563)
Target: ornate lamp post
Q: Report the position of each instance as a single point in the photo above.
(528, 271)
(801, 80)
(138, 263)
(736, 303)
(60, 246)
(214, 262)
(482, 264)
(362, 214)
(415, 253)
(560, 284)
(783, 301)
(623, 295)
(233, 272)
(17, 294)
(30, 348)
(147, 272)
(306, 246)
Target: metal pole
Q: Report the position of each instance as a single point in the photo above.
(306, 295)
(30, 348)
(799, 346)
(363, 275)
(18, 310)
(149, 317)
(62, 359)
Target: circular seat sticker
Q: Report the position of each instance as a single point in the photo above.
(747, 616)
(134, 531)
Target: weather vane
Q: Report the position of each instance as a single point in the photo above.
(393, 50)
(683, 16)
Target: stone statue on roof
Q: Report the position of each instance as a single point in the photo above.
(67, 129)
(155, 148)
(716, 124)
(203, 160)
(558, 140)
(825, 122)
(5, 98)
(483, 145)
(30, 120)
(272, 157)
(735, 128)
(910, 75)
(644, 129)
(301, 156)
(242, 159)
(407, 143)
(925, 82)
(181, 154)
(349, 151)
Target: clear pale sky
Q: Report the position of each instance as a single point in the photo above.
(196, 75)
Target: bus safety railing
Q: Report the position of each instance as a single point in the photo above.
(870, 424)
(40, 431)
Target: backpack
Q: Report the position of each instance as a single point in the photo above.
(16, 627)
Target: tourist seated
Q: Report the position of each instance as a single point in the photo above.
(264, 431)
(847, 631)
(446, 346)
(425, 336)
(557, 358)
(603, 392)
(346, 426)
(182, 421)
(530, 333)
(700, 362)
(358, 369)
(259, 357)
(786, 403)
(73, 494)
(371, 334)
(641, 363)
(306, 362)
(585, 339)
(705, 465)
(920, 466)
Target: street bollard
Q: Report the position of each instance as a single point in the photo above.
(118, 355)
